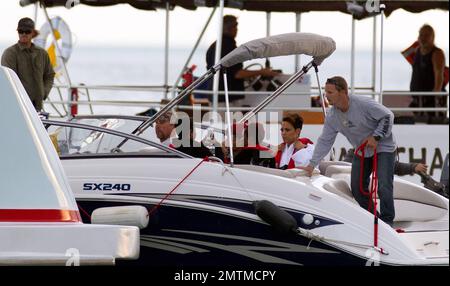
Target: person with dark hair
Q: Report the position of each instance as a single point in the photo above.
(362, 121)
(294, 151)
(255, 151)
(188, 145)
(236, 74)
(31, 64)
(248, 146)
(428, 73)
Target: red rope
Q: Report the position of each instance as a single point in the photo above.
(173, 190)
(373, 193)
(84, 212)
(374, 188)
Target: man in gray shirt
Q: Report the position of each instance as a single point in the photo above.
(31, 63)
(360, 119)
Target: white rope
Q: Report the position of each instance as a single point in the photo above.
(309, 235)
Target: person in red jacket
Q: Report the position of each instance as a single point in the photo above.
(255, 151)
(248, 146)
(294, 151)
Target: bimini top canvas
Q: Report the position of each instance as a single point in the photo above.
(317, 46)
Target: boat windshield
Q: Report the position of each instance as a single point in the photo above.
(125, 124)
(71, 138)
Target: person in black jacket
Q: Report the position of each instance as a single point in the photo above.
(400, 168)
(235, 74)
(249, 147)
(188, 145)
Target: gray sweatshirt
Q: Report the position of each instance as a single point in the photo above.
(365, 117)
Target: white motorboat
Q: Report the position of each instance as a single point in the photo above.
(208, 213)
(40, 223)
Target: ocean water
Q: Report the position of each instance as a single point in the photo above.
(145, 66)
(110, 65)
(116, 65)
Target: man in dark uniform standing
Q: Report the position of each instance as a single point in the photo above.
(236, 74)
(428, 73)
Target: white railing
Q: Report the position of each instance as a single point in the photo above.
(85, 90)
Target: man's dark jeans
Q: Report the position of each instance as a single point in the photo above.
(386, 163)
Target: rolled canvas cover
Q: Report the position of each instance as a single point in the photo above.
(319, 47)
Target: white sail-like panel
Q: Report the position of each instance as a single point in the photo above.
(31, 174)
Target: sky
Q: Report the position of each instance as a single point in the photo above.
(122, 25)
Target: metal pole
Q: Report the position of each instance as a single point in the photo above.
(320, 91)
(217, 58)
(193, 51)
(144, 125)
(268, 22)
(352, 60)
(166, 52)
(176, 100)
(36, 8)
(227, 106)
(278, 92)
(374, 54)
(382, 7)
(298, 19)
(55, 42)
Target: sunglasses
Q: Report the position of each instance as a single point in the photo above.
(27, 32)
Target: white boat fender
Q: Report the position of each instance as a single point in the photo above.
(308, 219)
(126, 215)
(279, 219)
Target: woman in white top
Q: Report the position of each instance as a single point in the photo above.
(294, 151)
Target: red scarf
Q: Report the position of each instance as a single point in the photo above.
(291, 164)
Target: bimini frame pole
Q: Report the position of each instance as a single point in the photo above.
(324, 110)
(278, 92)
(218, 54)
(144, 125)
(178, 99)
(229, 123)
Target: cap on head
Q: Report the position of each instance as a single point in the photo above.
(25, 24)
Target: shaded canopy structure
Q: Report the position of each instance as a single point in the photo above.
(298, 6)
